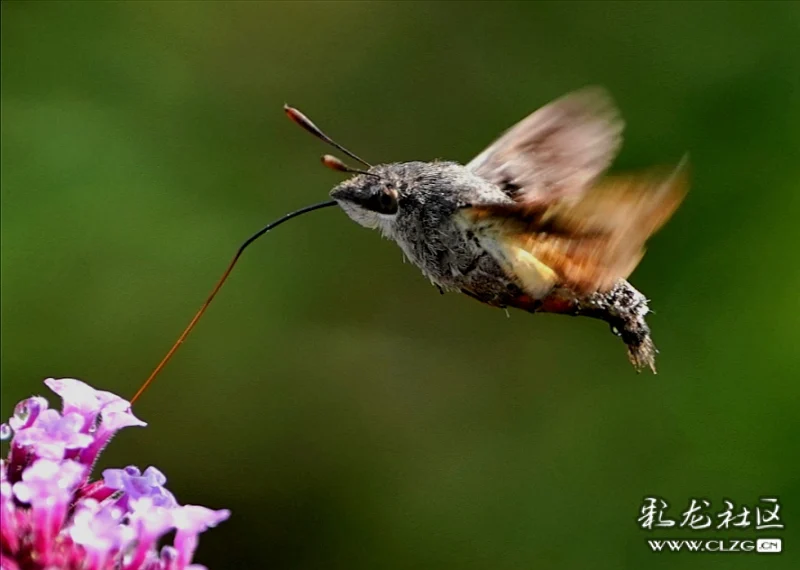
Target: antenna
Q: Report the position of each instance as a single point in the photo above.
(218, 286)
(306, 123)
(335, 164)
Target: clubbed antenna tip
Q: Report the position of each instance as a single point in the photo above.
(299, 118)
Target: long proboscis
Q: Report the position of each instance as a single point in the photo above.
(218, 286)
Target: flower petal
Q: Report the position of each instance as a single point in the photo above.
(136, 485)
(26, 412)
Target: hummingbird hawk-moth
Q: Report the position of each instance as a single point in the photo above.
(531, 222)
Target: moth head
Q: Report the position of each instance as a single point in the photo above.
(368, 199)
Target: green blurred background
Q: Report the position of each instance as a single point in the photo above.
(347, 414)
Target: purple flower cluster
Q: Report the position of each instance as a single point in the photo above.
(51, 514)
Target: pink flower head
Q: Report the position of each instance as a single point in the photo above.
(53, 516)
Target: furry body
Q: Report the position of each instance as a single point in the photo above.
(431, 232)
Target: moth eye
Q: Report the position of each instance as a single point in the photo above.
(385, 201)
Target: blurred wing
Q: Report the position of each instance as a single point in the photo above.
(556, 151)
(587, 243)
